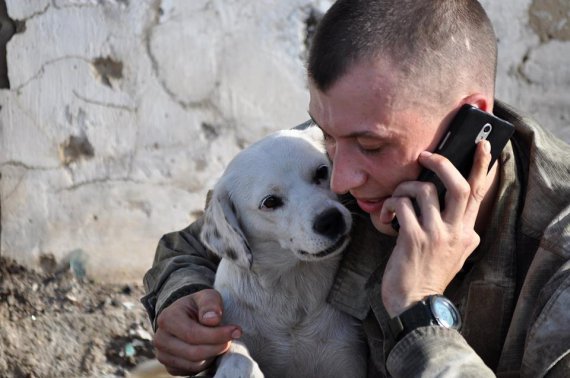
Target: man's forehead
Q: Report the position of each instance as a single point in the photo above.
(368, 130)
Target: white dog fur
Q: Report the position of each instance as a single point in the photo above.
(280, 232)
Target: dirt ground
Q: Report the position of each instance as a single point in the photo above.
(57, 323)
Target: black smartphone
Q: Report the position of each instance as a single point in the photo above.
(468, 127)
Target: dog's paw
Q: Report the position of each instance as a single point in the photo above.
(235, 365)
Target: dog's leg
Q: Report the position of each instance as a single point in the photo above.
(237, 363)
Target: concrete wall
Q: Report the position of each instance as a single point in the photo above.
(119, 114)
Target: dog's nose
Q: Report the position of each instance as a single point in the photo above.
(330, 223)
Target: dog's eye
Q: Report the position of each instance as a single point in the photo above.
(321, 174)
(271, 202)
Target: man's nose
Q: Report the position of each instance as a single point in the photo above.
(346, 172)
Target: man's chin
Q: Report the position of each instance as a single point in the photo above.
(385, 228)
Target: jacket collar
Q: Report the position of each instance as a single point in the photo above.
(368, 251)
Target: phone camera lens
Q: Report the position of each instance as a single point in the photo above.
(487, 128)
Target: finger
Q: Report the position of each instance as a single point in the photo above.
(182, 325)
(169, 345)
(210, 306)
(457, 187)
(179, 366)
(404, 210)
(197, 334)
(424, 194)
(478, 180)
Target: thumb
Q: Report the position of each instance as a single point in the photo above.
(210, 307)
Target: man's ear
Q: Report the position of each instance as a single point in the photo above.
(221, 232)
(480, 101)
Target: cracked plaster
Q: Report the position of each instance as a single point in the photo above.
(165, 93)
(550, 19)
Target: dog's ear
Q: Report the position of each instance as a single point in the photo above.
(221, 232)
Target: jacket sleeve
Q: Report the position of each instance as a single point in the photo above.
(182, 266)
(544, 308)
(435, 352)
(547, 344)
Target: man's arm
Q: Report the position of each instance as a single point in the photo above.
(428, 254)
(547, 344)
(435, 351)
(185, 312)
(182, 266)
(438, 351)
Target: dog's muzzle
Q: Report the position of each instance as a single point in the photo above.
(338, 246)
(330, 223)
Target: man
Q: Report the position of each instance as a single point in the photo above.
(385, 79)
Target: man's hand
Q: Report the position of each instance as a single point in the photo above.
(189, 334)
(430, 250)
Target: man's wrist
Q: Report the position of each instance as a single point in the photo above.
(394, 307)
(434, 310)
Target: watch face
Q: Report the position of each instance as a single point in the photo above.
(445, 312)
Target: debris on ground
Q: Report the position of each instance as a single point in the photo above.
(56, 322)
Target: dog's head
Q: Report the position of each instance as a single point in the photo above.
(275, 195)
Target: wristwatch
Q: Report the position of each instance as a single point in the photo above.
(435, 310)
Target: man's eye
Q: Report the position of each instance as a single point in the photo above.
(370, 145)
(322, 173)
(370, 150)
(271, 202)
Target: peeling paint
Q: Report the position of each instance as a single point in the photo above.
(76, 148)
(550, 19)
(209, 131)
(107, 70)
(7, 30)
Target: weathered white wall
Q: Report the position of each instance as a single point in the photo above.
(121, 113)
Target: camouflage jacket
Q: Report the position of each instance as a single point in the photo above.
(513, 292)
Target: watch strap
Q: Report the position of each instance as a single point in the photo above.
(419, 315)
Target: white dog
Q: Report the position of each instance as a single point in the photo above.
(280, 232)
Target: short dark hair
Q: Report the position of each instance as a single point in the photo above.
(453, 39)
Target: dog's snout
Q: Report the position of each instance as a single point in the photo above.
(330, 223)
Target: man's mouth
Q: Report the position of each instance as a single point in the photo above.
(370, 205)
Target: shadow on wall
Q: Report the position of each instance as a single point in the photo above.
(8, 28)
